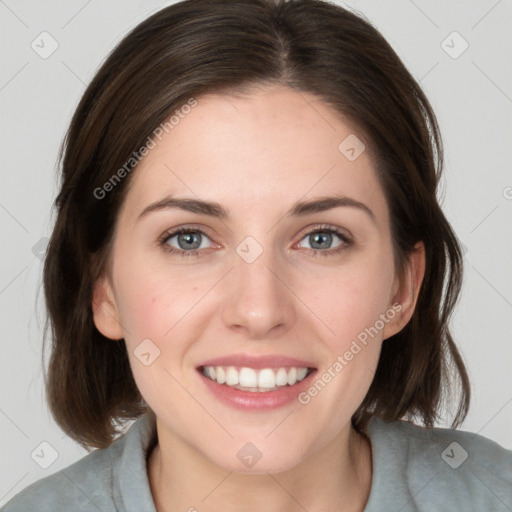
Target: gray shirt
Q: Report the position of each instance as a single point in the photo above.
(414, 469)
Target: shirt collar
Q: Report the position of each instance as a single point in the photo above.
(132, 492)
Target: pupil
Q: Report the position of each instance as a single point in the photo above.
(317, 238)
(188, 241)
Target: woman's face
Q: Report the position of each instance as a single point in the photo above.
(272, 282)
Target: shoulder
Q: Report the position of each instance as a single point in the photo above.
(83, 486)
(440, 468)
(106, 480)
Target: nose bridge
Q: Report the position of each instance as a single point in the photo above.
(256, 299)
(252, 268)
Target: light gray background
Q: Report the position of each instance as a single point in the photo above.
(471, 95)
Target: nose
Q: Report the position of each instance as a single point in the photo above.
(258, 302)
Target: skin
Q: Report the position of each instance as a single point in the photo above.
(293, 301)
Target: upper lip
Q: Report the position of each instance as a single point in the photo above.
(258, 362)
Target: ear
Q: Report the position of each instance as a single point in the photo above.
(406, 290)
(104, 308)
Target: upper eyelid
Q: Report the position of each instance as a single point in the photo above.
(326, 227)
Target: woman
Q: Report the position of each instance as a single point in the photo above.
(250, 258)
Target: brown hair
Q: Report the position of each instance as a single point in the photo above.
(223, 46)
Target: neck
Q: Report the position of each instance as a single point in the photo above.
(337, 477)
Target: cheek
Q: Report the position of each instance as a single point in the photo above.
(141, 307)
(152, 296)
(349, 301)
(154, 309)
(350, 298)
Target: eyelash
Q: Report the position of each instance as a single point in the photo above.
(346, 241)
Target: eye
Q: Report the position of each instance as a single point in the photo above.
(321, 241)
(184, 241)
(191, 241)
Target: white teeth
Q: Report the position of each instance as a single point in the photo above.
(221, 375)
(267, 379)
(249, 379)
(231, 376)
(281, 377)
(301, 373)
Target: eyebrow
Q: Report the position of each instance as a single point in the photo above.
(216, 210)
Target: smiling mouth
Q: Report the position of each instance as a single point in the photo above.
(256, 380)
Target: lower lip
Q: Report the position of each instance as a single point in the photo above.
(256, 400)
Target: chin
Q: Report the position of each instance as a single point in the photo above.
(258, 456)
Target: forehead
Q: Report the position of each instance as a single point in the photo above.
(263, 150)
